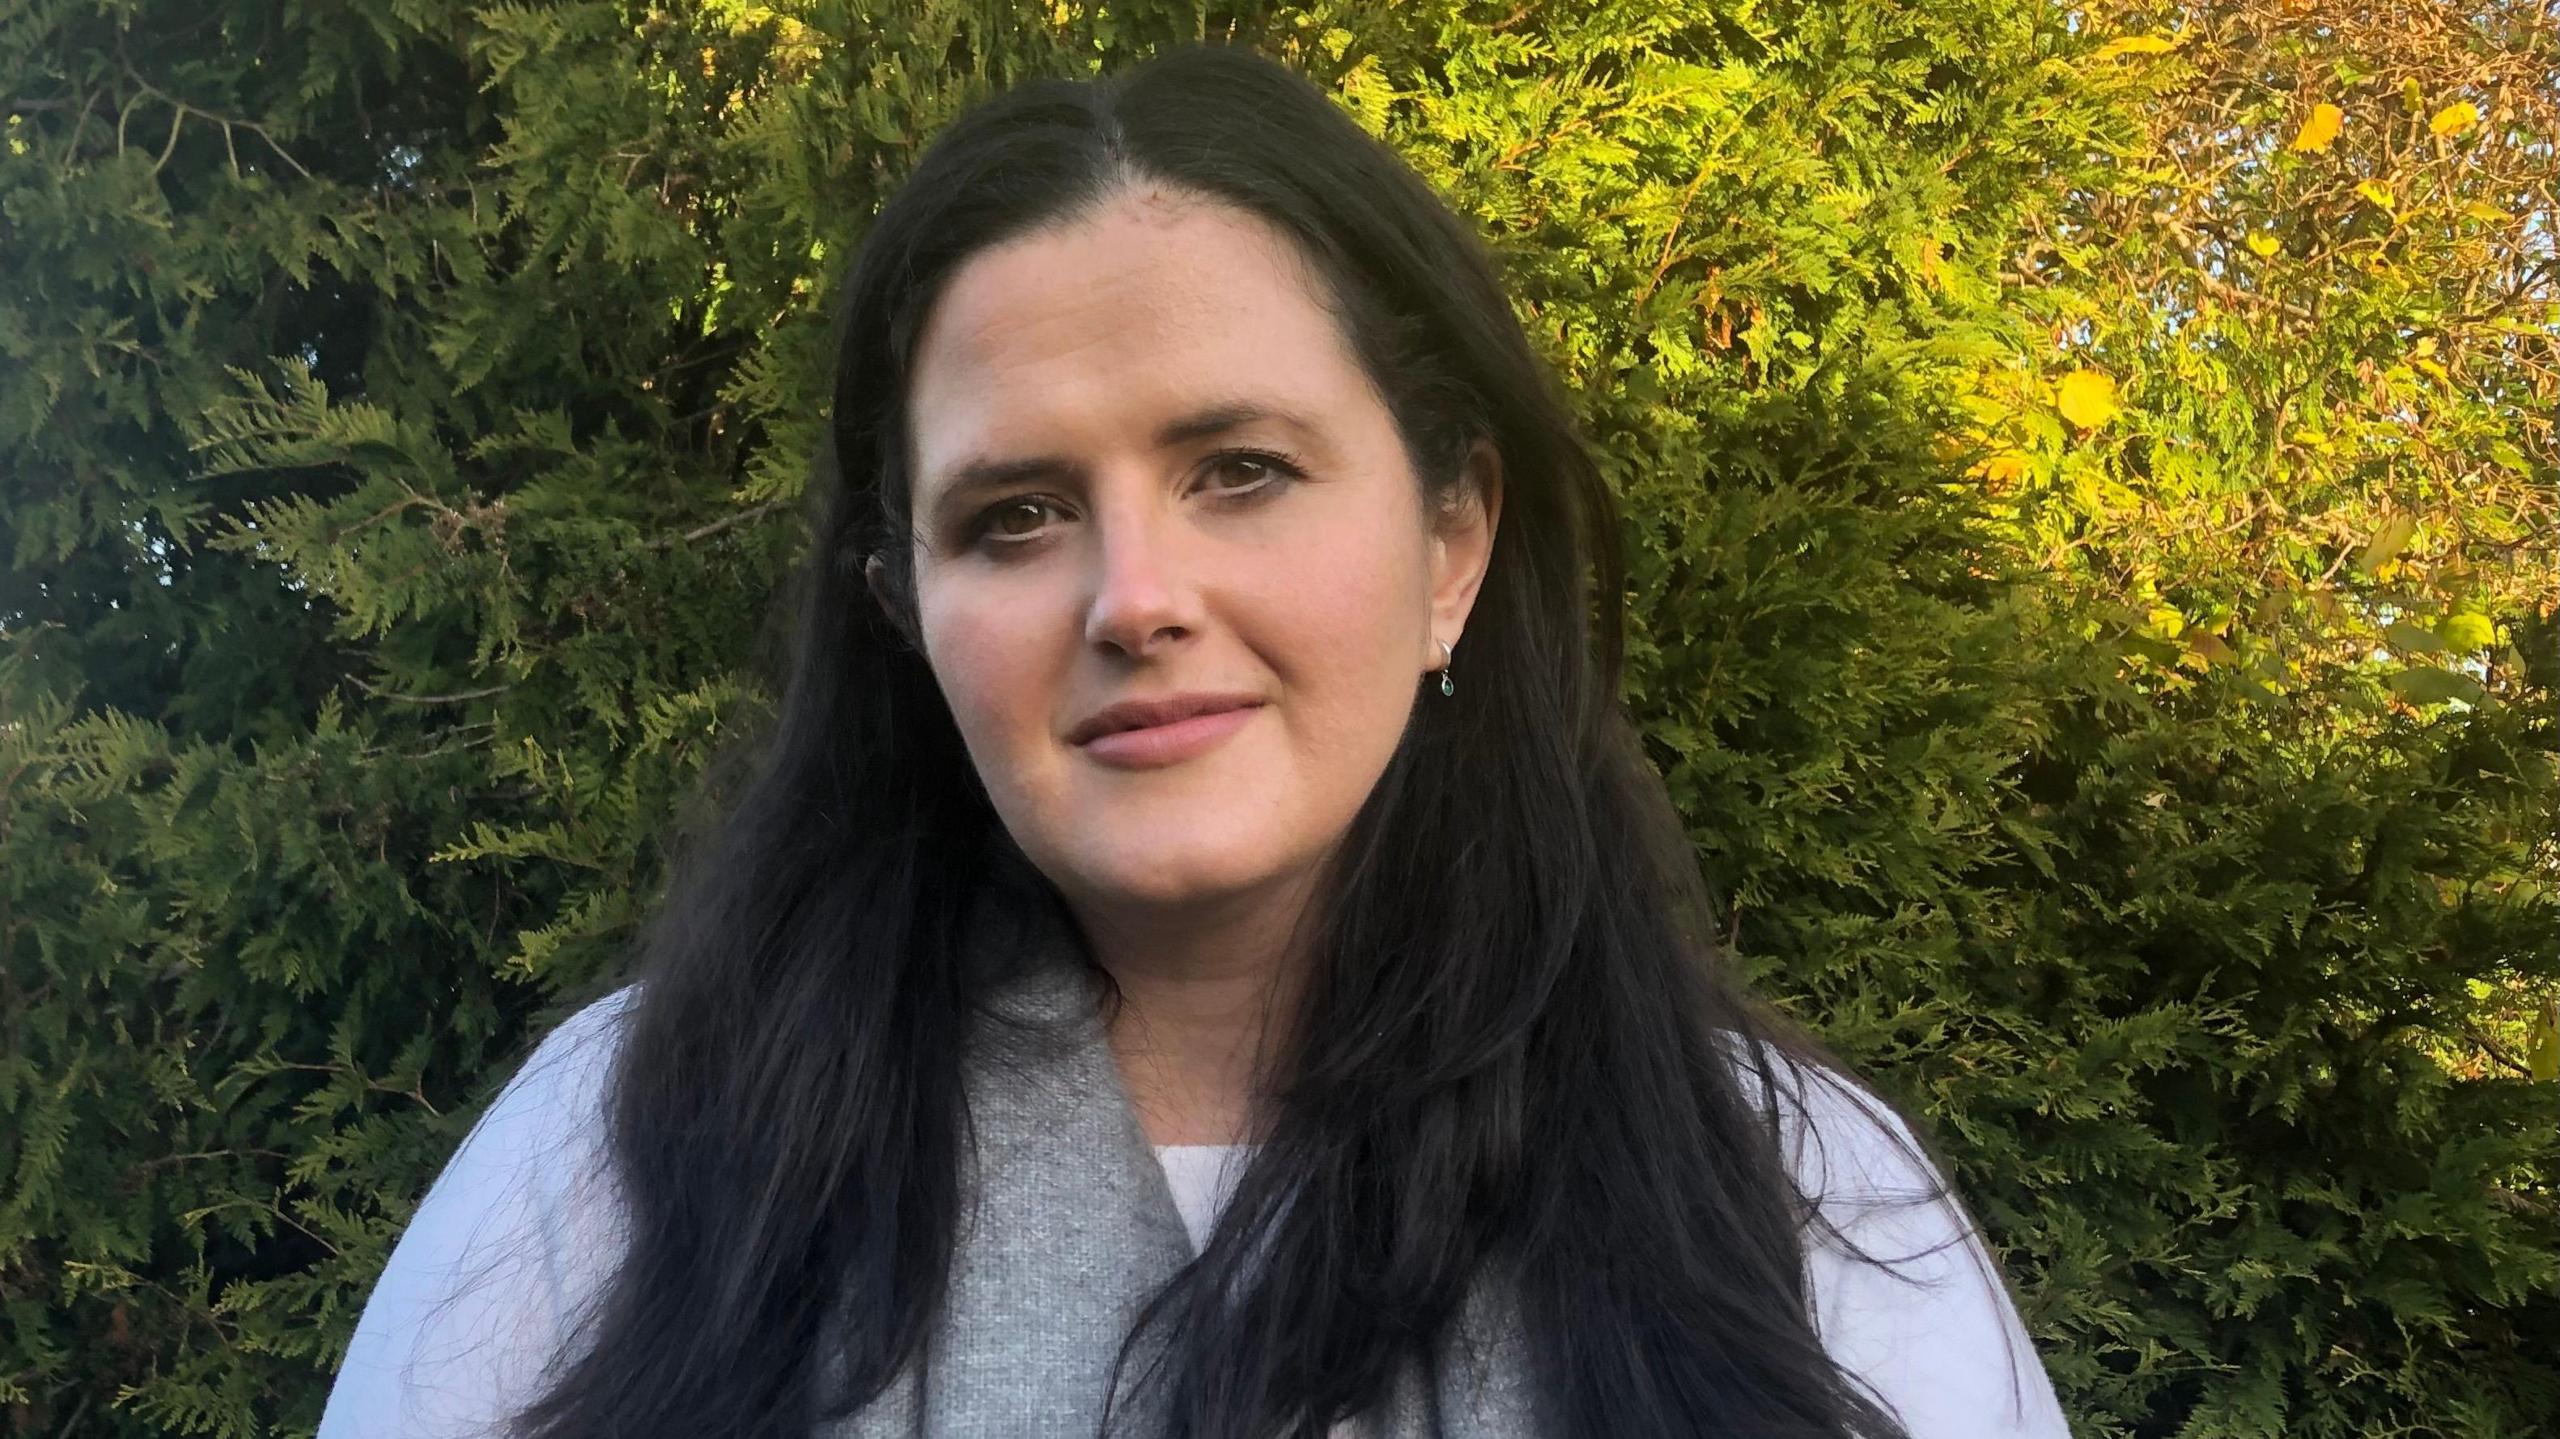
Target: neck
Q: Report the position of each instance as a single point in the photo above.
(1200, 993)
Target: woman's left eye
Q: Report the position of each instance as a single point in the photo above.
(1252, 467)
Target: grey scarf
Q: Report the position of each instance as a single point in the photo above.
(1072, 1227)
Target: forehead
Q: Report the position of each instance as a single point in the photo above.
(1100, 331)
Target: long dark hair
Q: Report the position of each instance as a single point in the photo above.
(1516, 1057)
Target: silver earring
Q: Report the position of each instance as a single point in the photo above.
(1448, 686)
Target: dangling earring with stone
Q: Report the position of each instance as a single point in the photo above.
(1448, 686)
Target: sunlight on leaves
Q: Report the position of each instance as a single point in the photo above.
(2320, 130)
(2136, 45)
(2454, 119)
(2087, 398)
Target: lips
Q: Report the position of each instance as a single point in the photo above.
(1155, 713)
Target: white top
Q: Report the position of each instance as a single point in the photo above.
(1202, 1176)
(1938, 1356)
(523, 1218)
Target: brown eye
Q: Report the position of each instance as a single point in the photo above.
(1016, 517)
(1251, 469)
(1246, 466)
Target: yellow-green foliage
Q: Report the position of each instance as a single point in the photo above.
(403, 406)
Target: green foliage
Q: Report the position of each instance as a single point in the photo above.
(402, 413)
(2323, 278)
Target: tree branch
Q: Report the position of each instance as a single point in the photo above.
(457, 697)
(704, 532)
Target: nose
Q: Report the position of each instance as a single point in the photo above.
(1141, 601)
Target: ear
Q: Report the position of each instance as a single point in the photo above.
(876, 575)
(1462, 546)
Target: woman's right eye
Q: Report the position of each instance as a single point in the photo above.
(1016, 518)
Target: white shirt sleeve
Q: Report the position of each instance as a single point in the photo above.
(1937, 1336)
(496, 1269)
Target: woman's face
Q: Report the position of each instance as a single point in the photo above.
(1148, 468)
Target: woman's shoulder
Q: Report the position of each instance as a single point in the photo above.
(567, 1070)
(543, 1136)
(1905, 1291)
(1844, 1145)
(502, 1258)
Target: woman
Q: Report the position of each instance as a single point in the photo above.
(1202, 738)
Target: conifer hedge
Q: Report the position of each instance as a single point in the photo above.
(404, 407)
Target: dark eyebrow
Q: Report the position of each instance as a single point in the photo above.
(1220, 418)
(977, 476)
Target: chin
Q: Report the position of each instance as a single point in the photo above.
(1172, 886)
(1182, 872)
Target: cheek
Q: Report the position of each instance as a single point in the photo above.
(995, 665)
(1344, 622)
